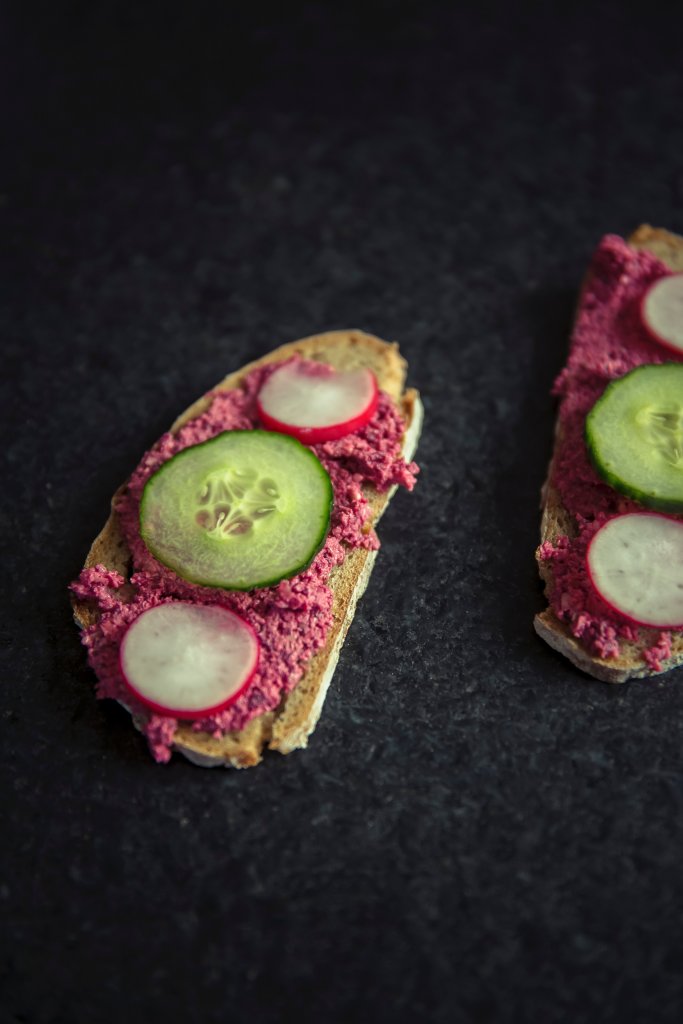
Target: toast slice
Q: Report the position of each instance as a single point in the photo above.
(557, 522)
(288, 726)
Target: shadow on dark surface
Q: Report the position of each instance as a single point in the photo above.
(548, 316)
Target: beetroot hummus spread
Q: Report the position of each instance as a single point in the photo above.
(292, 619)
(608, 341)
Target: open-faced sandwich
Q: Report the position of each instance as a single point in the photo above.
(611, 552)
(215, 601)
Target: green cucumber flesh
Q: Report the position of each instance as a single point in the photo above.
(243, 510)
(634, 435)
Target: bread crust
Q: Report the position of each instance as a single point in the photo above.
(556, 522)
(287, 727)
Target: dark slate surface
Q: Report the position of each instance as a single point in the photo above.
(477, 832)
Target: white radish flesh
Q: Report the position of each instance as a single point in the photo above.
(188, 660)
(662, 311)
(315, 403)
(635, 562)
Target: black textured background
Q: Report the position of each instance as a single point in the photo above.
(477, 832)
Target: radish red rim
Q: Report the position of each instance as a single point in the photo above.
(661, 312)
(315, 403)
(635, 564)
(188, 661)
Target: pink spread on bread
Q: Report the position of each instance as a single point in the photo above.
(292, 618)
(608, 340)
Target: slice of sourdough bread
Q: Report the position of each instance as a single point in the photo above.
(288, 727)
(556, 522)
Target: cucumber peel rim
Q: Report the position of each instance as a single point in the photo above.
(175, 556)
(659, 427)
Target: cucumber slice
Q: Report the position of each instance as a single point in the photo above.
(243, 510)
(635, 562)
(634, 434)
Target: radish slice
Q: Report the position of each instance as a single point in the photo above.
(188, 660)
(661, 311)
(635, 562)
(314, 403)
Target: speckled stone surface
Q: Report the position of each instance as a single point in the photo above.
(477, 832)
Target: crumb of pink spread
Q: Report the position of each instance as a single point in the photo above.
(160, 732)
(656, 656)
(292, 618)
(607, 342)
